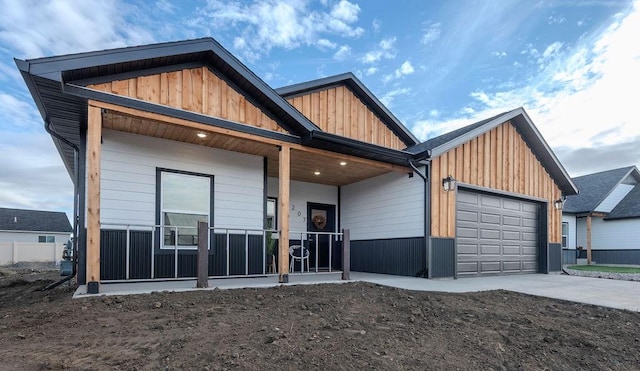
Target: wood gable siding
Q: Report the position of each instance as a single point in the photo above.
(196, 90)
(337, 110)
(498, 159)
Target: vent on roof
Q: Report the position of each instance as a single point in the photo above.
(15, 219)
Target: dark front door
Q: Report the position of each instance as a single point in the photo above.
(321, 218)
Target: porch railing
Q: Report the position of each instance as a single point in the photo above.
(310, 240)
(141, 252)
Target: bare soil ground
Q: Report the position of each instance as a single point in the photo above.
(341, 326)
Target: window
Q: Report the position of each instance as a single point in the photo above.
(565, 233)
(46, 239)
(185, 201)
(272, 222)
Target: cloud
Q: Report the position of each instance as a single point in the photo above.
(388, 98)
(270, 24)
(342, 53)
(371, 71)
(499, 55)
(577, 94)
(431, 34)
(405, 69)
(35, 178)
(385, 49)
(35, 28)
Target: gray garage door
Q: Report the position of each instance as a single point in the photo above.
(495, 234)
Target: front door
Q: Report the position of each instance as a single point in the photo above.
(321, 218)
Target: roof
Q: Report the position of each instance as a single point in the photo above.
(34, 221)
(57, 85)
(361, 91)
(629, 207)
(594, 188)
(523, 124)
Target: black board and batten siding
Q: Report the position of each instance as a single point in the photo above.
(397, 256)
(113, 257)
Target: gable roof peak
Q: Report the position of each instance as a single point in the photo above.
(361, 91)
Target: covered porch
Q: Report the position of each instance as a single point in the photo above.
(132, 250)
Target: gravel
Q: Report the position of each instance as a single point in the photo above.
(611, 276)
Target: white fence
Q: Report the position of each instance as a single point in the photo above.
(16, 252)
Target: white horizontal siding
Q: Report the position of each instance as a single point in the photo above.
(623, 234)
(614, 198)
(128, 179)
(387, 206)
(571, 236)
(20, 236)
(300, 194)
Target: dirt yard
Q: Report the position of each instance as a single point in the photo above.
(353, 326)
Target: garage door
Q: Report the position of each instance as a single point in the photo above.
(495, 234)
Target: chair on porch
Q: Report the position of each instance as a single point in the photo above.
(298, 253)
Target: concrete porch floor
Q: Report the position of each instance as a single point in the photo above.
(595, 291)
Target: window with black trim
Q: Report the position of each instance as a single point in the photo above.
(46, 239)
(272, 215)
(185, 200)
(565, 233)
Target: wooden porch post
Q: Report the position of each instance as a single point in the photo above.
(588, 238)
(94, 138)
(284, 170)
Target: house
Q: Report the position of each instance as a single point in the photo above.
(160, 137)
(32, 235)
(604, 218)
(34, 226)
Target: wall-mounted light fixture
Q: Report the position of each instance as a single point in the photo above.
(558, 204)
(448, 184)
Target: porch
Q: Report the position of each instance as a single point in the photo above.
(161, 253)
(242, 173)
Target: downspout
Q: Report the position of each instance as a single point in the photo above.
(427, 214)
(76, 150)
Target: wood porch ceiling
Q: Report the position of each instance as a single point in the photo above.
(304, 164)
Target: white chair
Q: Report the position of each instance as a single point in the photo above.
(298, 253)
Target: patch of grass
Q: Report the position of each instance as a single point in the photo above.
(605, 268)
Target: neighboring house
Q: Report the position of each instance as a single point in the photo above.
(32, 235)
(604, 218)
(34, 226)
(159, 137)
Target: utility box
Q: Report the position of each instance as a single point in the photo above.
(66, 267)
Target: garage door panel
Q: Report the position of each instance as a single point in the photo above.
(512, 266)
(490, 202)
(488, 218)
(491, 266)
(468, 198)
(511, 250)
(490, 249)
(495, 234)
(468, 216)
(467, 268)
(529, 222)
(490, 234)
(511, 220)
(467, 248)
(511, 235)
(467, 232)
(508, 204)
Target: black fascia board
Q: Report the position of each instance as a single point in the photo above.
(348, 146)
(56, 68)
(86, 93)
(362, 92)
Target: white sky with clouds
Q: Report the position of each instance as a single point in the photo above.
(438, 65)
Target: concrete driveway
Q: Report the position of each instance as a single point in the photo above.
(596, 291)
